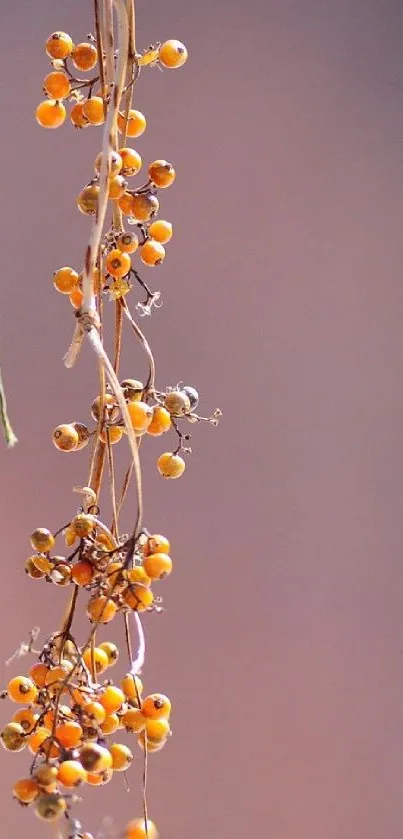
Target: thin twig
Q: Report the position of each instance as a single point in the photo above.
(11, 439)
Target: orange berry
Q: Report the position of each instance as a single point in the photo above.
(173, 54)
(95, 712)
(57, 85)
(161, 231)
(42, 540)
(69, 734)
(137, 575)
(82, 573)
(156, 706)
(115, 163)
(118, 263)
(127, 242)
(93, 109)
(111, 651)
(71, 773)
(117, 186)
(65, 280)
(161, 173)
(101, 609)
(125, 203)
(132, 686)
(136, 123)
(157, 544)
(160, 422)
(95, 758)
(101, 661)
(43, 563)
(33, 572)
(38, 673)
(171, 465)
(121, 757)
(141, 415)
(76, 298)
(50, 807)
(77, 116)
(112, 699)
(144, 206)
(87, 200)
(157, 730)
(113, 434)
(26, 790)
(50, 113)
(157, 566)
(26, 718)
(22, 690)
(98, 780)
(65, 437)
(13, 737)
(57, 675)
(131, 162)
(59, 45)
(110, 724)
(136, 829)
(133, 720)
(37, 739)
(138, 597)
(84, 56)
(152, 252)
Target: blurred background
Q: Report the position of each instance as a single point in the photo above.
(281, 639)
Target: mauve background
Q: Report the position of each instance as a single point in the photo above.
(281, 643)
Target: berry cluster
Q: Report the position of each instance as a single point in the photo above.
(70, 710)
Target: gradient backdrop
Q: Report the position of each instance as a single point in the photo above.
(281, 642)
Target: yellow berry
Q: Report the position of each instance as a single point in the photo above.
(141, 415)
(121, 757)
(161, 173)
(42, 540)
(135, 126)
(115, 163)
(131, 161)
(157, 566)
(65, 437)
(161, 231)
(171, 465)
(22, 690)
(160, 422)
(173, 54)
(87, 200)
(71, 773)
(13, 737)
(152, 252)
(50, 807)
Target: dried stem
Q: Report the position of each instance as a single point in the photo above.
(11, 439)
